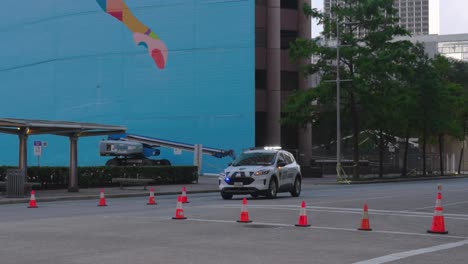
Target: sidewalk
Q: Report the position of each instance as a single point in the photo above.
(205, 184)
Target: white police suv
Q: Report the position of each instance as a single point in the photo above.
(266, 171)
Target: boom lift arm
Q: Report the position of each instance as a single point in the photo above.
(137, 146)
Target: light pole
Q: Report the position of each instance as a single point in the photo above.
(338, 108)
(338, 80)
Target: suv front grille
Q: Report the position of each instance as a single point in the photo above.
(242, 174)
(244, 180)
(240, 190)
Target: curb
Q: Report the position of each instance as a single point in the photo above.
(91, 197)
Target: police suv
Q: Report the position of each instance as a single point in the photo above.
(266, 171)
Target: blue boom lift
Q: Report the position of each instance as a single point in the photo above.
(135, 150)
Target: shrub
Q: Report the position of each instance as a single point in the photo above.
(101, 176)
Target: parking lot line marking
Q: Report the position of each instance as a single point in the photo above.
(445, 205)
(351, 211)
(329, 228)
(407, 254)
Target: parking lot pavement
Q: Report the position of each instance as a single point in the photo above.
(130, 231)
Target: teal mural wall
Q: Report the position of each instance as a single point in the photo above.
(181, 70)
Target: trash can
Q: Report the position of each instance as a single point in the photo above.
(15, 183)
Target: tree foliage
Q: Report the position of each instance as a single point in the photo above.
(369, 58)
(389, 85)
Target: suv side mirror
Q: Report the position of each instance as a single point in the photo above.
(281, 164)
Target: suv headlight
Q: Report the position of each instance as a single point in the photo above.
(261, 172)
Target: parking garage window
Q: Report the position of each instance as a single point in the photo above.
(287, 36)
(288, 4)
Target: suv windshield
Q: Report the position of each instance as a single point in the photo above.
(255, 158)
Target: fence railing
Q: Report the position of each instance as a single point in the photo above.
(392, 163)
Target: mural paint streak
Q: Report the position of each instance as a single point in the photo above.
(142, 35)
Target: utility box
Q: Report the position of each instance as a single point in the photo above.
(15, 183)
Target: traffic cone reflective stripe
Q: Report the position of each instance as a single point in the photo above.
(179, 213)
(365, 226)
(244, 215)
(302, 216)
(438, 222)
(184, 195)
(32, 201)
(151, 200)
(102, 199)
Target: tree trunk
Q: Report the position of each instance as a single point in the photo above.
(381, 153)
(424, 150)
(355, 120)
(461, 159)
(462, 148)
(405, 155)
(441, 153)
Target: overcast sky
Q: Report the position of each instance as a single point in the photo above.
(453, 16)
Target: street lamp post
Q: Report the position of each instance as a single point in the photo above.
(338, 80)
(338, 108)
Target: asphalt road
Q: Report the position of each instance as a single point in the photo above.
(129, 231)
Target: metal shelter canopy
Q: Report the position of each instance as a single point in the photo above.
(25, 127)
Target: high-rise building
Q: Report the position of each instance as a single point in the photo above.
(419, 17)
(414, 15)
(277, 24)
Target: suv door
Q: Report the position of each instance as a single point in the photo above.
(282, 171)
(291, 167)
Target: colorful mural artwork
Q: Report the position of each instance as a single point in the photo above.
(142, 35)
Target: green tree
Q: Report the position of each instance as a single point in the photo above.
(447, 119)
(406, 107)
(381, 101)
(366, 31)
(432, 98)
(458, 74)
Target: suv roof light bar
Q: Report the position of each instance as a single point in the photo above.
(272, 148)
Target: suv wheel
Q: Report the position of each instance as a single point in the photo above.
(226, 196)
(272, 189)
(296, 189)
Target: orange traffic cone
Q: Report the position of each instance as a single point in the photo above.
(244, 215)
(438, 223)
(302, 216)
(102, 199)
(32, 201)
(179, 213)
(184, 195)
(365, 220)
(151, 200)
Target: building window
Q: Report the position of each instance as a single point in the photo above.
(260, 2)
(260, 37)
(260, 128)
(289, 80)
(260, 79)
(289, 4)
(287, 36)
